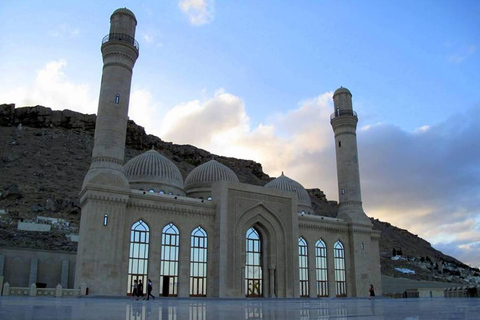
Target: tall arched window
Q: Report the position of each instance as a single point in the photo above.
(339, 263)
(138, 255)
(254, 265)
(303, 266)
(169, 261)
(198, 262)
(321, 268)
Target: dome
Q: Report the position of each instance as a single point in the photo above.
(151, 170)
(124, 11)
(342, 90)
(200, 180)
(284, 183)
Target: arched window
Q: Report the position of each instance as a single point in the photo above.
(198, 262)
(339, 263)
(321, 268)
(254, 264)
(169, 261)
(138, 255)
(303, 266)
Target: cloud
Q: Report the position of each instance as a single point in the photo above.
(143, 110)
(148, 38)
(426, 181)
(64, 31)
(299, 142)
(53, 89)
(462, 53)
(199, 12)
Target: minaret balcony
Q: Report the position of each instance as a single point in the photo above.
(121, 37)
(342, 113)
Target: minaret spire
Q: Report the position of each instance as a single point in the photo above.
(344, 123)
(119, 51)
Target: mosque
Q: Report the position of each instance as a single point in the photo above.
(210, 235)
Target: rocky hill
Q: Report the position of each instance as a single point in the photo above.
(45, 155)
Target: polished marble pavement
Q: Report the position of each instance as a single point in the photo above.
(273, 309)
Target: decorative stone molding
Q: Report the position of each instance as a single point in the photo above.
(345, 132)
(170, 208)
(348, 203)
(344, 125)
(102, 197)
(107, 159)
(121, 54)
(308, 226)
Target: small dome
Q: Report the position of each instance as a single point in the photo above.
(342, 90)
(151, 170)
(124, 11)
(211, 171)
(284, 183)
(199, 182)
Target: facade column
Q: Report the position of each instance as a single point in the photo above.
(242, 272)
(2, 266)
(184, 264)
(154, 260)
(331, 270)
(312, 279)
(64, 277)
(33, 271)
(271, 271)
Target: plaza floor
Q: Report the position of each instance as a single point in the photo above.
(12, 308)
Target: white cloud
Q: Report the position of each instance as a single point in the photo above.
(148, 38)
(144, 111)
(52, 88)
(64, 31)
(289, 142)
(422, 129)
(462, 53)
(199, 12)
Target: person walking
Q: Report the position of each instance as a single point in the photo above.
(149, 289)
(135, 289)
(372, 291)
(140, 289)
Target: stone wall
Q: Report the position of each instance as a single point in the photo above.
(22, 267)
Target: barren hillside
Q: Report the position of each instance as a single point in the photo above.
(45, 155)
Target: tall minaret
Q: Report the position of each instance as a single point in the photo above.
(105, 191)
(344, 123)
(119, 52)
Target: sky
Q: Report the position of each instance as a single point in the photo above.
(254, 80)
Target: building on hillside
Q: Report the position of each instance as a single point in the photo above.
(210, 235)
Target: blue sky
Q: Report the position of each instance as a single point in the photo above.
(254, 79)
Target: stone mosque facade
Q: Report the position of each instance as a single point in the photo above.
(211, 235)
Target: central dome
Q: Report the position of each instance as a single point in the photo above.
(284, 183)
(152, 171)
(199, 181)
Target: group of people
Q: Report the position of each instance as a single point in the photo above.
(138, 290)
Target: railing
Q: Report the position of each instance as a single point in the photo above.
(33, 291)
(343, 112)
(121, 37)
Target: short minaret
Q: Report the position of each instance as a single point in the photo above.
(344, 123)
(119, 52)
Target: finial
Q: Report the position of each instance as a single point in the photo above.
(282, 173)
